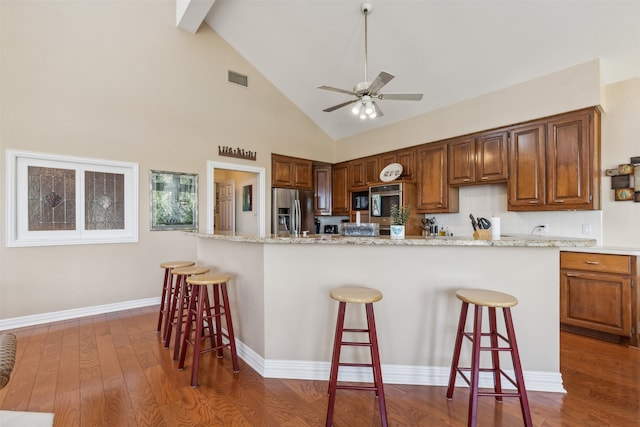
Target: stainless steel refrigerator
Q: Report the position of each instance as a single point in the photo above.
(291, 212)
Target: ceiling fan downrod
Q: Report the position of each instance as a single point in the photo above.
(366, 10)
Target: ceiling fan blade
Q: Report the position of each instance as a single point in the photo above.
(335, 107)
(401, 96)
(382, 79)
(335, 89)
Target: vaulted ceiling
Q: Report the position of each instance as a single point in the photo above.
(449, 50)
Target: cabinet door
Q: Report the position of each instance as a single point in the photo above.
(339, 191)
(302, 175)
(569, 170)
(356, 174)
(527, 167)
(462, 161)
(322, 193)
(407, 158)
(491, 157)
(281, 172)
(371, 170)
(386, 159)
(596, 301)
(434, 194)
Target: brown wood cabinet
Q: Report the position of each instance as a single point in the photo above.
(339, 189)
(434, 193)
(291, 172)
(478, 159)
(555, 164)
(599, 295)
(322, 189)
(363, 172)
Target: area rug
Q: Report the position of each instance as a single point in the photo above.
(25, 419)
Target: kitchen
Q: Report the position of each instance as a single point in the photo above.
(166, 121)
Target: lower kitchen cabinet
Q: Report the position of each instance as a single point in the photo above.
(599, 295)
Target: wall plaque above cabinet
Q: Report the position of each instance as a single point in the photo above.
(239, 153)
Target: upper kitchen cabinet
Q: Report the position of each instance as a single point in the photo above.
(339, 189)
(434, 193)
(363, 172)
(322, 189)
(291, 172)
(405, 157)
(555, 164)
(573, 161)
(478, 159)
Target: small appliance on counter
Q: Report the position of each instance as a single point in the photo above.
(331, 229)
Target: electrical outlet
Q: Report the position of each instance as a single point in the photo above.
(587, 229)
(543, 228)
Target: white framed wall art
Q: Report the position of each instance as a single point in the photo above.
(63, 200)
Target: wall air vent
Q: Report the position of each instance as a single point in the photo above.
(239, 79)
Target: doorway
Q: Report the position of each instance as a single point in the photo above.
(258, 205)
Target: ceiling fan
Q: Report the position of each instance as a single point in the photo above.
(366, 92)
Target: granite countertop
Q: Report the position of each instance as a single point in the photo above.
(509, 240)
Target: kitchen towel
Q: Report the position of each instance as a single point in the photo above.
(495, 228)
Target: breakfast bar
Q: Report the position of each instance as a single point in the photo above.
(284, 319)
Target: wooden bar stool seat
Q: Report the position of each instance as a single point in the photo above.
(201, 317)
(179, 304)
(167, 293)
(491, 299)
(356, 295)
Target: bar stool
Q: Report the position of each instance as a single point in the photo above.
(200, 311)
(491, 299)
(356, 295)
(179, 304)
(167, 289)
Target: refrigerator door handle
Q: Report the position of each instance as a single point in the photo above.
(297, 217)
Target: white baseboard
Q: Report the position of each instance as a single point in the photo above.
(310, 370)
(57, 316)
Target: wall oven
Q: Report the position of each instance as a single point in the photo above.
(381, 198)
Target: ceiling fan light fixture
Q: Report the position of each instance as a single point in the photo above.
(356, 109)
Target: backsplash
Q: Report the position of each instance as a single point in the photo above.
(491, 200)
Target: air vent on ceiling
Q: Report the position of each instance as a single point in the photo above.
(239, 79)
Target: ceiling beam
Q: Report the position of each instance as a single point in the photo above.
(190, 14)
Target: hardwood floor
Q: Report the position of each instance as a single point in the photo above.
(111, 370)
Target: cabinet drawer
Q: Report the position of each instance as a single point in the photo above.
(620, 264)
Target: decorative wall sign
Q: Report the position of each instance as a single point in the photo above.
(239, 153)
(623, 194)
(63, 200)
(174, 200)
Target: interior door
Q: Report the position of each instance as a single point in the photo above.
(227, 206)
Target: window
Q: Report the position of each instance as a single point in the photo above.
(62, 200)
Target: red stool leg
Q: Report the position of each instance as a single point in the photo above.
(495, 356)
(182, 302)
(230, 333)
(197, 340)
(175, 294)
(456, 350)
(191, 313)
(475, 366)
(335, 361)
(163, 300)
(375, 357)
(517, 367)
(218, 320)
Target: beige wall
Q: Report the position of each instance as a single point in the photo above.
(620, 141)
(117, 80)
